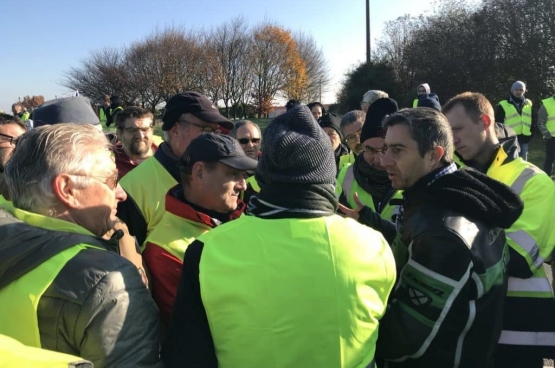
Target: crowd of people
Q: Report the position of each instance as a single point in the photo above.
(386, 237)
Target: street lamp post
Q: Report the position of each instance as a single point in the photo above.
(368, 50)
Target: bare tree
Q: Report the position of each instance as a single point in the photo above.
(317, 71)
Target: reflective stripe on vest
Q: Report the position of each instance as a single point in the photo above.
(522, 287)
(13, 354)
(527, 338)
(174, 234)
(148, 184)
(521, 124)
(549, 104)
(246, 293)
(19, 300)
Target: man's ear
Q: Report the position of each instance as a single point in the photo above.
(437, 154)
(486, 120)
(64, 189)
(198, 170)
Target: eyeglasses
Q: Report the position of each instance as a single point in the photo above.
(205, 129)
(247, 140)
(111, 181)
(8, 138)
(134, 131)
(372, 150)
(351, 138)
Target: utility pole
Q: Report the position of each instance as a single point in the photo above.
(368, 50)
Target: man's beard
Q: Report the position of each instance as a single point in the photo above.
(139, 148)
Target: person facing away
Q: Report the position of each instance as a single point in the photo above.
(283, 286)
(187, 115)
(213, 171)
(516, 112)
(249, 135)
(528, 334)
(134, 128)
(422, 89)
(63, 287)
(366, 180)
(449, 247)
(116, 105)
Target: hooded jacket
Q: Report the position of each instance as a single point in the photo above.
(451, 256)
(97, 306)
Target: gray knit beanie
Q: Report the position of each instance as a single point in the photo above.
(296, 151)
(518, 84)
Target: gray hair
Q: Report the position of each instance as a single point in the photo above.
(45, 152)
(352, 117)
(428, 127)
(242, 123)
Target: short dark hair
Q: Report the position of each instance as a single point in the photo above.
(316, 103)
(428, 127)
(6, 119)
(475, 105)
(131, 112)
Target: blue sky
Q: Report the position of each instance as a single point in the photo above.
(42, 39)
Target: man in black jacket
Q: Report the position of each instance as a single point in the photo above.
(450, 250)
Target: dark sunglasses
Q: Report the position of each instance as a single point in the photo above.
(247, 140)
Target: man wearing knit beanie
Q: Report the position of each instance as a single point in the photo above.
(331, 123)
(284, 282)
(516, 112)
(366, 181)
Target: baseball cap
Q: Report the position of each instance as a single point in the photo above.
(192, 103)
(76, 110)
(216, 147)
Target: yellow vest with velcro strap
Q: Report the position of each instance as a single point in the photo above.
(295, 292)
(521, 124)
(148, 184)
(174, 234)
(549, 104)
(347, 184)
(14, 354)
(532, 235)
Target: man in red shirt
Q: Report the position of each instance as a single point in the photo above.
(134, 129)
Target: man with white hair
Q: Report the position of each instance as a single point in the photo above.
(63, 287)
(516, 112)
(369, 98)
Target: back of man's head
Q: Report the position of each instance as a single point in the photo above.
(296, 151)
(43, 153)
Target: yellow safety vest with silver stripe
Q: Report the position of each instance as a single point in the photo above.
(521, 124)
(14, 354)
(549, 104)
(347, 185)
(20, 299)
(531, 236)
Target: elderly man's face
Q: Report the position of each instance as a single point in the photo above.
(96, 204)
(8, 134)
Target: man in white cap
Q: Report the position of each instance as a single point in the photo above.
(516, 112)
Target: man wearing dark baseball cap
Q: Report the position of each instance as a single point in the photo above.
(213, 171)
(187, 115)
